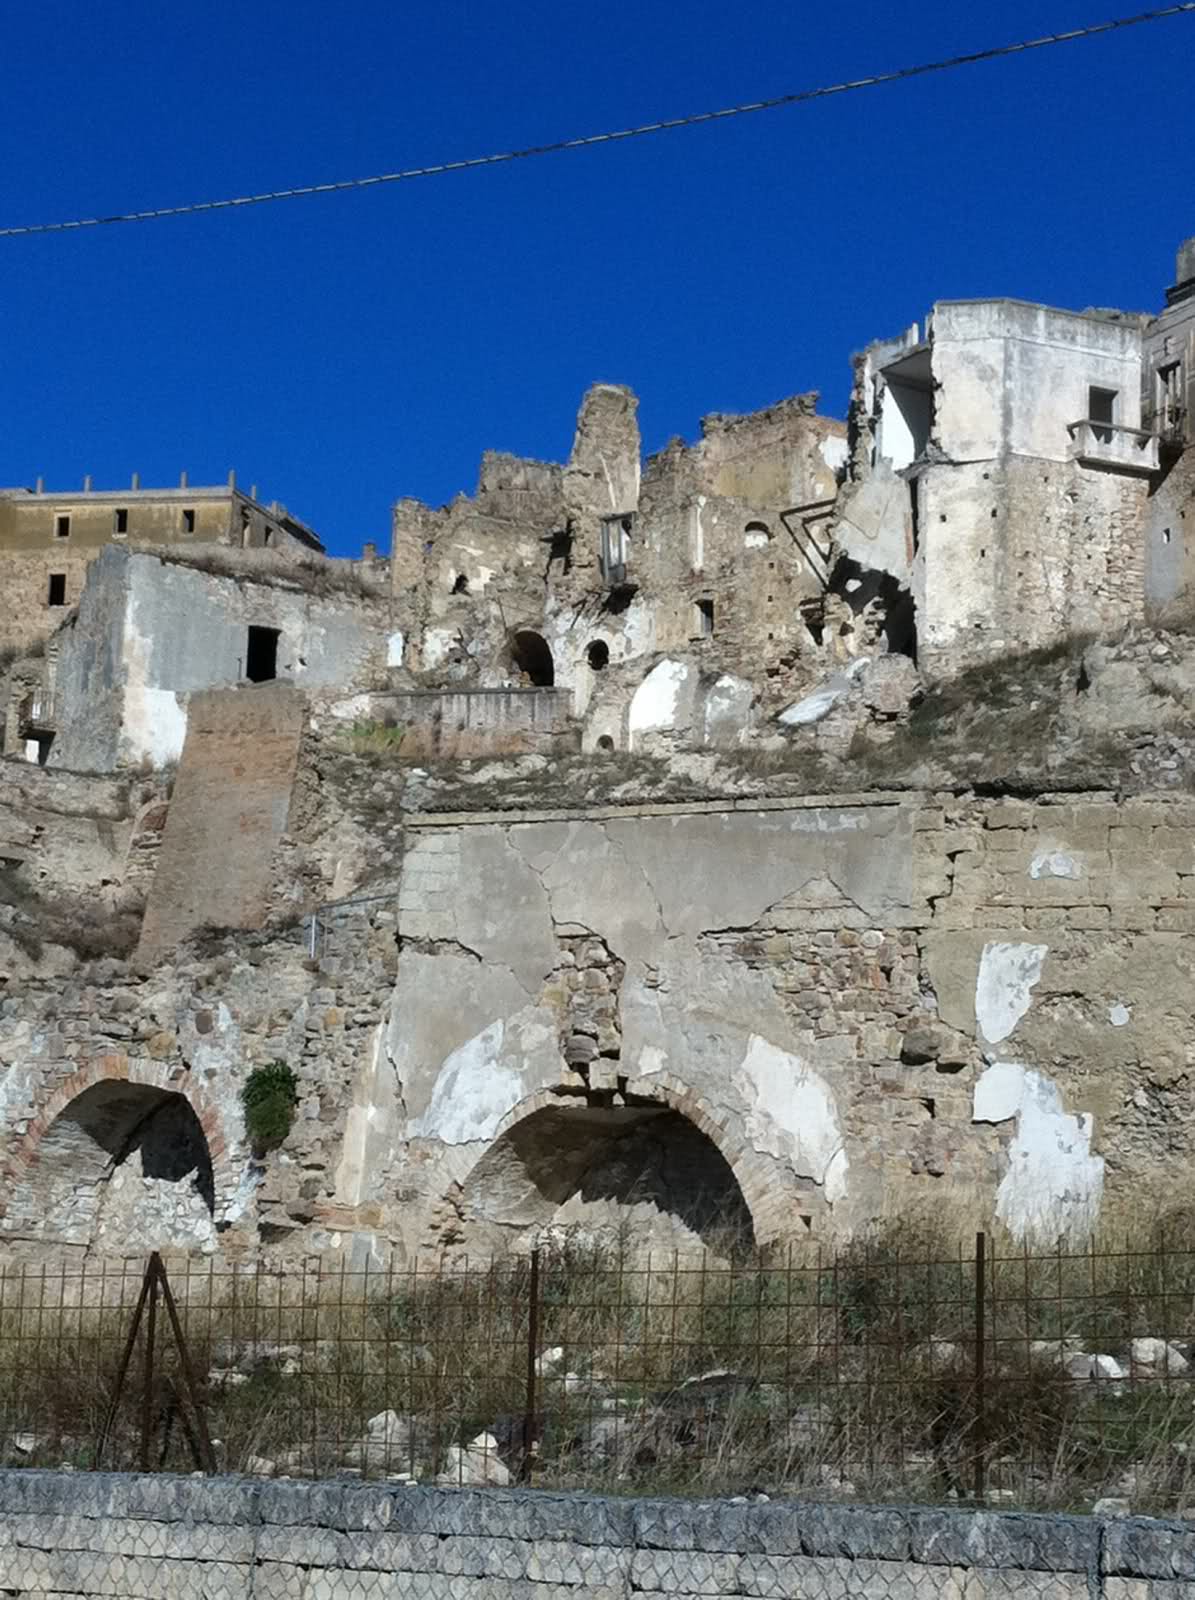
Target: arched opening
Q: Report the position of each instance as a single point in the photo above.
(533, 659)
(598, 654)
(124, 1166)
(640, 1175)
(605, 742)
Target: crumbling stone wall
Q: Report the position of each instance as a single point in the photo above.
(820, 1010)
(99, 1533)
(228, 814)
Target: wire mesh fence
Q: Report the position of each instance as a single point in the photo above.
(1029, 1379)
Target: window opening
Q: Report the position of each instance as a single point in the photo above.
(62, 525)
(598, 654)
(460, 584)
(1101, 407)
(120, 520)
(45, 742)
(533, 659)
(703, 618)
(261, 654)
(1168, 398)
(613, 556)
(269, 534)
(605, 742)
(57, 594)
(188, 520)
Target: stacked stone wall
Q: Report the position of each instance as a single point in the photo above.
(164, 1538)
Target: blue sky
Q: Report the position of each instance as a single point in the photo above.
(342, 352)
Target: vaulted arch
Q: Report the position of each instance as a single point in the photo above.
(123, 1156)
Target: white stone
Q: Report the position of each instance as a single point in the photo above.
(1049, 863)
(1007, 974)
(1157, 1356)
(1119, 1015)
(394, 648)
(1112, 1506)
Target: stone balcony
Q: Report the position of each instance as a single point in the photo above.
(1113, 448)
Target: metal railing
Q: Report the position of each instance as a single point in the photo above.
(1037, 1380)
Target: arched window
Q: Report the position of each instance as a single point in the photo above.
(532, 657)
(598, 654)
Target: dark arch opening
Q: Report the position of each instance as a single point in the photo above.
(641, 1172)
(758, 527)
(598, 654)
(531, 655)
(605, 742)
(460, 584)
(117, 1128)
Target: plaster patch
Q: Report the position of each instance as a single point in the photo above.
(728, 707)
(1007, 974)
(654, 703)
(1119, 1015)
(473, 1091)
(756, 540)
(1053, 1186)
(155, 724)
(792, 1114)
(1049, 863)
(833, 451)
(437, 643)
(394, 648)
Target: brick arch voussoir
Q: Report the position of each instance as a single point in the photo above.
(755, 1181)
(107, 1069)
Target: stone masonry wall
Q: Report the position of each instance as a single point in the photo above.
(229, 810)
(169, 1538)
(865, 1006)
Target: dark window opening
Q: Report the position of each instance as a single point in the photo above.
(45, 742)
(460, 584)
(598, 654)
(188, 521)
(560, 548)
(758, 528)
(57, 594)
(62, 526)
(888, 604)
(703, 618)
(533, 659)
(269, 534)
(120, 520)
(605, 742)
(261, 655)
(1101, 407)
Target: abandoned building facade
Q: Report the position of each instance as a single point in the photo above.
(523, 986)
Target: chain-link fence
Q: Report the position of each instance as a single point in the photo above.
(1035, 1380)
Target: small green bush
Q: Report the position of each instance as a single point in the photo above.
(269, 1097)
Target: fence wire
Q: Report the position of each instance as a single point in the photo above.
(1033, 1380)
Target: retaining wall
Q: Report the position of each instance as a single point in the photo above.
(175, 1538)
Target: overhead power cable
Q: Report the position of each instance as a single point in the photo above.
(587, 141)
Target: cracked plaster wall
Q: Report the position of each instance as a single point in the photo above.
(832, 995)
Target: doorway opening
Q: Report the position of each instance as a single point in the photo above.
(261, 654)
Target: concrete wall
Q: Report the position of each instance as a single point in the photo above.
(169, 1538)
(151, 632)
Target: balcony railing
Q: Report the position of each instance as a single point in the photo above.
(1113, 447)
(37, 713)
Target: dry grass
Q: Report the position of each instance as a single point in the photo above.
(851, 1375)
(75, 922)
(321, 576)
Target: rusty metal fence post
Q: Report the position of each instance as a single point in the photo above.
(980, 1420)
(532, 1358)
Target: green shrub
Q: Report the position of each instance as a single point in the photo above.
(269, 1097)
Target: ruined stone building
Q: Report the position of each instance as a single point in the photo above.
(785, 832)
